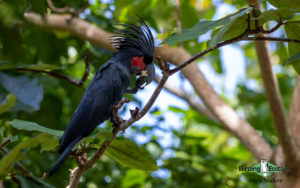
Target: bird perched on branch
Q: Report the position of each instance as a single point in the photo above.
(135, 46)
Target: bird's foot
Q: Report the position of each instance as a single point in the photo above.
(79, 156)
(116, 119)
(134, 112)
(79, 152)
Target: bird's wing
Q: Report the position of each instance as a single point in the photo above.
(95, 106)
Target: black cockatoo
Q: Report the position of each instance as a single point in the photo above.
(135, 46)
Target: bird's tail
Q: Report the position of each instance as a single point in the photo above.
(63, 156)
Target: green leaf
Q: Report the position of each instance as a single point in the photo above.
(176, 109)
(128, 153)
(41, 67)
(294, 4)
(31, 126)
(187, 14)
(134, 178)
(292, 60)
(277, 14)
(28, 91)
(293, 32)
(8, 103)
(16, 153)
(229, 30)
(51, 143)
(105, 134)
(240, 26)
(202, 27)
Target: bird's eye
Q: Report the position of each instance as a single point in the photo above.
(148, 59)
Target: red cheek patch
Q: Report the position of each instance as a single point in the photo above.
(138, 62)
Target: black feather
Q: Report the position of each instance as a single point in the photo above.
(135, 34)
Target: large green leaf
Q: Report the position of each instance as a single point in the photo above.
(294, 4)
(31, 126)
(293, 32)
(28, 91)
(202, 27)
(8, 103)
(277, 14)
(293, 60)
(128, 153)
(240, 25)
(16, 153)
(134, 178)
(230, 29)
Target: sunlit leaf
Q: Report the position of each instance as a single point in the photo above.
(9, 102)
(293, 32)
(31, 126)
(134, 178)
(286, 3)
(176, 109)
(229, 30)
(277, 14)
(16, 153)
(128, 153)
(203, 27)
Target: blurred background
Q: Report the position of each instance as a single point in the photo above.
(190, 149)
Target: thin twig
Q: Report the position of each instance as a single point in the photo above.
(5, 143)
(60, 10)
(19, 165)
(65, 77)
(272, 39)
(243, 36)
(69, 10)
(200, 54)
(279, 24)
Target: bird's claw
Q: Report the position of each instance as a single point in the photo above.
(115, 118)
(134, 112)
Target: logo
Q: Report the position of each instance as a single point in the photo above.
(263, 168)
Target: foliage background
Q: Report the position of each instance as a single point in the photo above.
(195, 152)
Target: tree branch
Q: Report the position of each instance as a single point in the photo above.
(274, 96)
(272, 39)
(60, 10)
(294, 118)
(4, 144)
(69, 10)
(65, 77)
